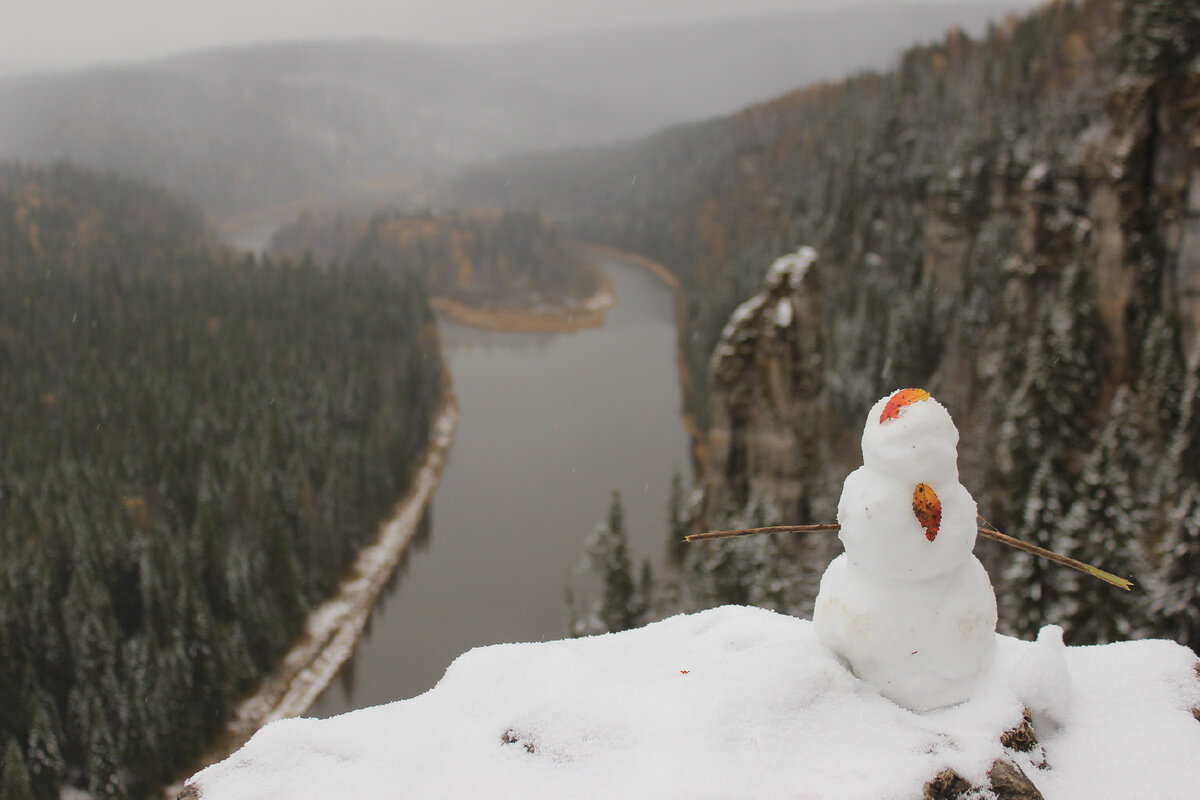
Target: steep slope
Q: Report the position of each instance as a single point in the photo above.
(196, 446)
(1012, 223)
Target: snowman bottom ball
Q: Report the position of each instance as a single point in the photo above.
(924, 644)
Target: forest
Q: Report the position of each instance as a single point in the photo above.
(513, 260)
(195, 446)
(1005, 221)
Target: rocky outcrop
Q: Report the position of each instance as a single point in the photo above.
(763, 438)
(1006, 780)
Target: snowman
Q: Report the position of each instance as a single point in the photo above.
(908, 605)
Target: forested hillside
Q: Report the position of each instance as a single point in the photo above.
(510, 261)
(1012, 222)
(237, 129)
(194, 447)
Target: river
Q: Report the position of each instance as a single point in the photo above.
(550, 425)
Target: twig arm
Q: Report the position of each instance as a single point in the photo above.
(1050, 555)
(985, 530)
(699, 537)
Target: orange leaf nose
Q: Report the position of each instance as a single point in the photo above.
(900, 400)
(928, 510)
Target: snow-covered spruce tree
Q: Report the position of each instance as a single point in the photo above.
(1176, 606)
(622, 604)
(1105, 525)
(676, 519)
(45, 761)
(781, 573)
(1034, 587)
(1046, 427)
(14, 778)
(617, 603)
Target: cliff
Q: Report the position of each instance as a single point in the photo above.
(1012, 223)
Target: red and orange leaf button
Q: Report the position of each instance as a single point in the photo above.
(928, 509)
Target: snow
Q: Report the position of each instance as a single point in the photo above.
(783, 312)
(791, 268)
(924, 644)
(900, 677)
(731, 702)
(785, 273)
(910, 608)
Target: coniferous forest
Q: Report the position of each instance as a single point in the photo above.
(512, 260)
(193, 446)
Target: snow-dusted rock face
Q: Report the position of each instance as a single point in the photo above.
(734, 702)
(908, 605)
(765, 368)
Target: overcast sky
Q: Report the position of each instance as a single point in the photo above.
(39, 34)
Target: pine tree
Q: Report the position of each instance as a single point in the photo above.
(1048, 416)
(45, 757)
(1104, 526)
(617, 612)
(1176, 606)
(642, 605)
(676, 522)
(1046, 427)
(1033, 587)
(1176, 609)
(15, 783)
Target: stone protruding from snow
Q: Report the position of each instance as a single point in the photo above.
(908, 605)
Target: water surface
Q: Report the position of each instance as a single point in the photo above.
(550, 424)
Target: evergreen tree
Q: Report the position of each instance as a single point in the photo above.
(1051, 406)
(676, 519)
(1176, 606)
(617, 604)
(45, 757)
(1176, 609)
(642, 605)
(1034, 587)
(1046, 428)
(14, 782)
(1104, 526)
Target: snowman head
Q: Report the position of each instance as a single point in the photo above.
(909, 435)
(903, 512)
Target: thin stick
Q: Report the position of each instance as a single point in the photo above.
(989, 532)
(825, 526)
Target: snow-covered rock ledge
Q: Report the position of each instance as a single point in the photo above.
(734, 702)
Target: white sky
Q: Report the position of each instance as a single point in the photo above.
(39, 34)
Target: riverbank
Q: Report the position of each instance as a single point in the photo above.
(333, 629)
(588, 314)
(636, 259)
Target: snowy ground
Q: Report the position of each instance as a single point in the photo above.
(732, 703)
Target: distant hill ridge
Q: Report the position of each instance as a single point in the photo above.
(241, 128)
